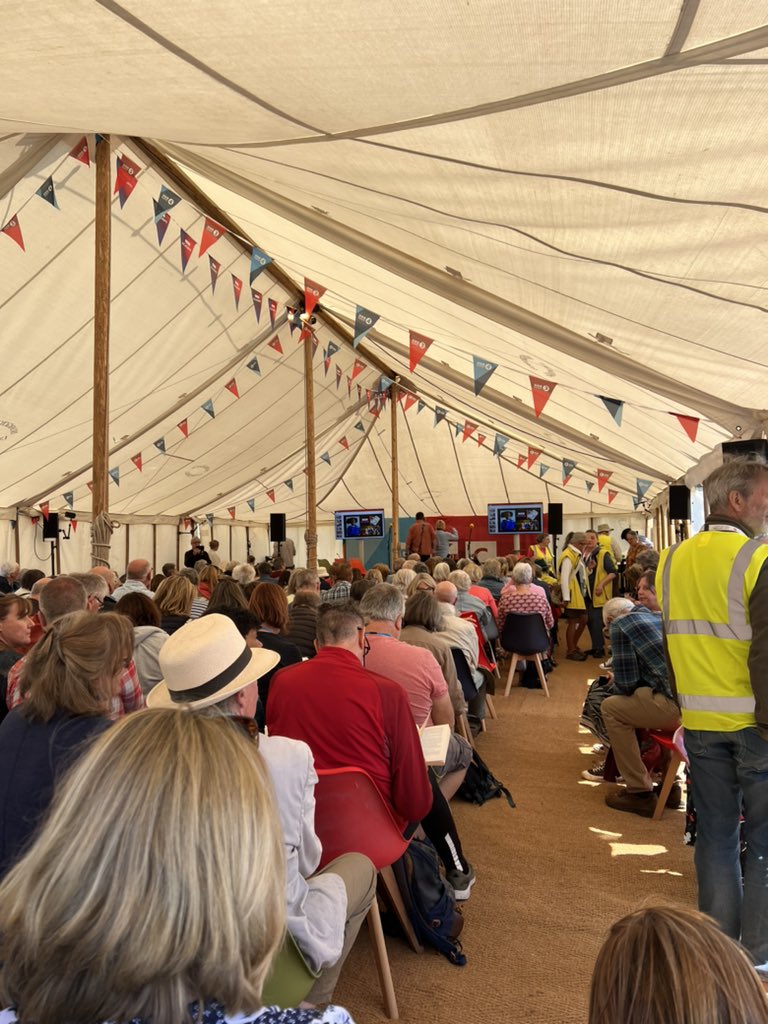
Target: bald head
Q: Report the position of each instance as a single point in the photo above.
(139, 569)
(107, 574)
(446, 592)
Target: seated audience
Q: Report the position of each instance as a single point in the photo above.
(186, 944)
(174, 599)
(74, 672)
(461, 634)
(417, 671)
(468, 602)
(673, 965)
(491, 577)
(423, 627)
(403, 579)
(226, 594)
(349, 716)
(138, 576)
(441, 572)
(302, 613)
(359, 589)
(264, 570)
(148, 637)
(208, 577)
(340, 577)
(646, 592)
(15, 631)
(244, 574)
(476, 589)
(523, 597)
(270, 606)
(421, 582)
(9, 577)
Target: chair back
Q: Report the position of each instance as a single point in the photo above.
(486, 658)
(464, 673)
(352, 817)
(524, 634)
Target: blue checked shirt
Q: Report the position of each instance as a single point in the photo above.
(637, 652)
(339, 592)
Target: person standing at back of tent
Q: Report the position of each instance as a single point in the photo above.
(573, 583)
(713, 592)
(421, 538)
(602, 573)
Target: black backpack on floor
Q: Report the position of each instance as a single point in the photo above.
(429, 900)
(480, 784)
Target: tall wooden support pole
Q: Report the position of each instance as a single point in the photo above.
(395, 478)
(100, 498)
(309, 412)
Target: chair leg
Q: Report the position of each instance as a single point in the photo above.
(669, 778)
(510, 677)
(542, 674)
(395, 900)
(463, 729)
(382, 961)
(490, 705)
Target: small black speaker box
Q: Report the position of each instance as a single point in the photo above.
(555, 519)
(749, 446)
(277, 526)
(679, 502)
(51, 526)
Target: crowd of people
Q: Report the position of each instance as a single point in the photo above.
(280, 672)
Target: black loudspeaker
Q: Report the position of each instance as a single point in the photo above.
(757, 446)
(277, 526)
(51, 526)
(555, 519)
(679, 502)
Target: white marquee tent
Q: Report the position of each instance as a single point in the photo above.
(566, 198)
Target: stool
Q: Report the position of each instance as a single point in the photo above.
(674, 743)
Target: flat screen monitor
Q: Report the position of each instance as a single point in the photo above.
(359, 524)
(527, 517)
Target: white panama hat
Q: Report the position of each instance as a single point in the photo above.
(206, 661)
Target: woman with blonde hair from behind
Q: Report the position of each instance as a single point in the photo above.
(162, 900)
(672, 965)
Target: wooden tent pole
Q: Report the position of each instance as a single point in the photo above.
(395, 478)
(102, 276)
(309, 413)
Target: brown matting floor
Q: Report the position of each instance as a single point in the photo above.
(553, 874)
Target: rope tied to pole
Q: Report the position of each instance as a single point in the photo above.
(101, 539)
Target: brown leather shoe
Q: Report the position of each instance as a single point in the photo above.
(643, 804)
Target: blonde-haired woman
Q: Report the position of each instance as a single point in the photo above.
(100, 924)
(73, 673)
(174, 599)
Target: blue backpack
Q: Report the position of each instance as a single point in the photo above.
(429, 900)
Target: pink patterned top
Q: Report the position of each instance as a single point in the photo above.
(524, 604)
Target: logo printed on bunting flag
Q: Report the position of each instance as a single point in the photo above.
(603, 476)
(48, 192)
(338, 377)
(237, 287)
(542, 392)
(326, 362)
(160, 444)
(125, 178)
(165, 202)
(137, 461)
(409, 401)
(215, 268)
(500, 442)
(614, 406)
(419, 346)
(207, 406)
(184, 427)
(162, 220)
(80, 152)
(611, 495)
(333, 348)
(231, 386)
(533, 454)
(690, 424)
(365, 321)
(358, 367)
(69, 496)
(272, 303)
(212, 232)
(275, 344)
(115, 474)
(13, 230)
(259, 261)
(257, 297)
(253, 364)
(313, 292)
(468, 430)
(642, 487)
(568, 467)
(187, 248)
(482, 370)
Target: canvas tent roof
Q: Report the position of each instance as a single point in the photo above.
(572, 191)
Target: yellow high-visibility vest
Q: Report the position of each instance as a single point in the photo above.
(598, 600)
(703, 586)
(576, 602)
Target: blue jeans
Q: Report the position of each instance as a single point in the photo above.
(726, 768)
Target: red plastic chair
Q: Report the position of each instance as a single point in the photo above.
(674, 743)
(352, 817)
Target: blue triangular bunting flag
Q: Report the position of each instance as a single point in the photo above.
(642, 488)
(482, 370)
(542, 470)
(326, 458)
(165, 202)
(568, 467)
(257, 299)
(69, 497)
(333, 348)
(161, 223)
(359, 426)
(499, 444)
(208, 407)
(251, 503)
(636, 502)
(614, 406)
(419, 406)
(48, 192)
(385, 383)
(590, 484)
(440, 414)
(115, 474)
(365, 320)
(259, 261)
(160, 444)
(288, 484)
(253, 364)
(209, 517)
(458, 427)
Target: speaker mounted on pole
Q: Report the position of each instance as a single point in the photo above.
(555, 519)
(679, 502)
(277, 527)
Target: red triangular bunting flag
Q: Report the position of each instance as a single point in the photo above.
(304, 333)
(533, 454)
(231, 385)
(13, 230)
(312, 295)
(542, 392)
(469, 429)
(212, 232)
(74, 525)
(520, 460)
(80, 152)
(611, 495)
(480, 440)
(344, 443)
(271, 494)
(418, 348)
(34, 520)
(231, 511)
(237, 287)
(275, 344)
(184, 428)
(357, 368)
(566, 480)
(603, 476)
(90, 485)
(409, 401)
(125, 179)
(690, 424)
(45, 508)
(136, 460)
(187, 522)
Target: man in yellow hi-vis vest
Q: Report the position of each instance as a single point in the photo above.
(713, 592)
